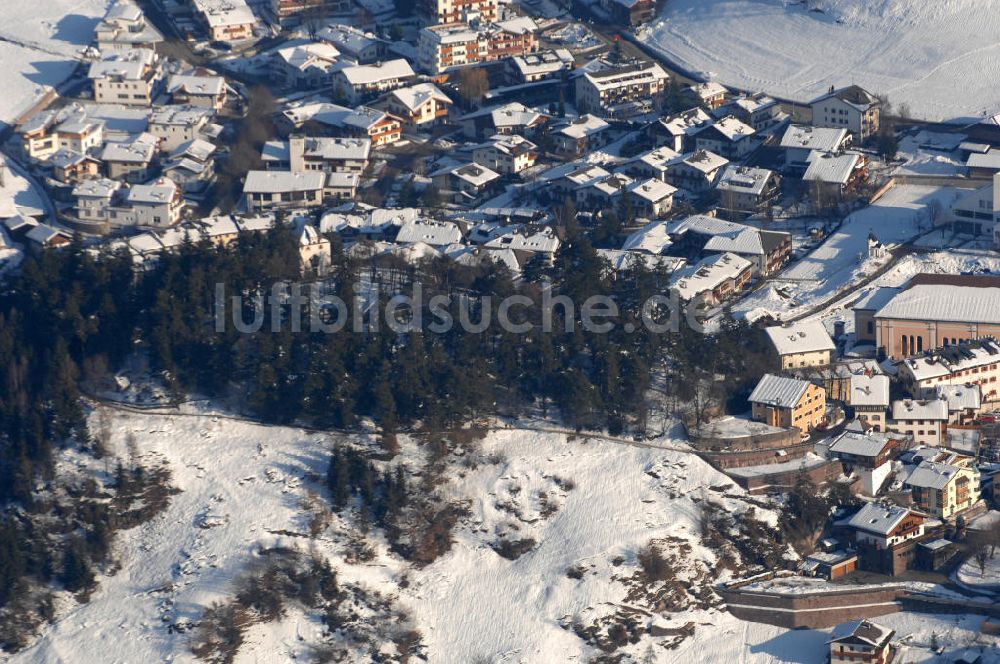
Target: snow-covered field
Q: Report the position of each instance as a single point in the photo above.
(41, 44)
(842, 259)
(941, 57)
(242, 489)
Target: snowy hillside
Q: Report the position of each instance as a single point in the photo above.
(40, 45)
(941, 58)
(589, 506)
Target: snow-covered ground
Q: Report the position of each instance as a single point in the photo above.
(41, 44)
(842, 259)
(941, 58)
(588, 503)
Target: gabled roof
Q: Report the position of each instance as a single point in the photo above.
(859, 444)
(932, 475)
(779, 391)
(801, 337)
(863, 632)
(878, 519)
(854, 95)
(415, 96)
(824, 139)
(383, 71)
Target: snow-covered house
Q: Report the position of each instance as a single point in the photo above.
(191, 165)
(925, 420)
(467, 182)
(69, 166)
(363, 47)
(130, 160)
(712, 280)
(124, 27)
(420, 104)
(860, 641)
(788, 402)
(582, 135)
(333, 155)
(759, 111)
(314, 249)
(158, 204)
(604, 194)
(358, 83)
(512, 118)
(944, 484)
(799, 141)
(852, 108)
(801, 344)
(303, 64)
(506, 155)
(886, 537)
(699, 234)
(678, 131)
(621, 90)
(226, 20)
(697, 172)
(95, 198)
(178, 124)
(652, 164)
(430, 232)
(709, 94)
(198, 88)
(263, 190)
(651, 198)
(831, 176)
(729, 137)
(747, 190)
(126, 78)
(540, 65)
(869, 398)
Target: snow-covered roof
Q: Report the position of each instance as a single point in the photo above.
(223, 13)
(196, 84)
(864, 631)
(197, 148)
(348, 38)
(327, 147)
(543, 62)
(709, 273)
(859, 444)
(584, 126)
(925, 409)
(587, 174)
(182, 114)
(988, 161)
(163, 190)
(652, 238)
(129, 65)
(475, 174)
(375, 73)
(824, 139)
(732, 128)
(779, 391)
(854, 95)
(953, 359)
(139, 150)
(434, 233)
(542, 241)
(945, 302)
(302, 53)
(800, 337)
(960, 397)
(101, 188)
(870, 390)
(744, 179)
(686, 123)
(614, 76)
(652, 190)
(708, 89)
(831, 168)
(932, 475)
(705, 161)
(878, 519)
(415, 96)
(283, 181)
(43, 234)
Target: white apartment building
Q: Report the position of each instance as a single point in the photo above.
(506, 154)
(452, 46)
(622, 91)
(851, 108)
(128, 78)
(453, 11)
